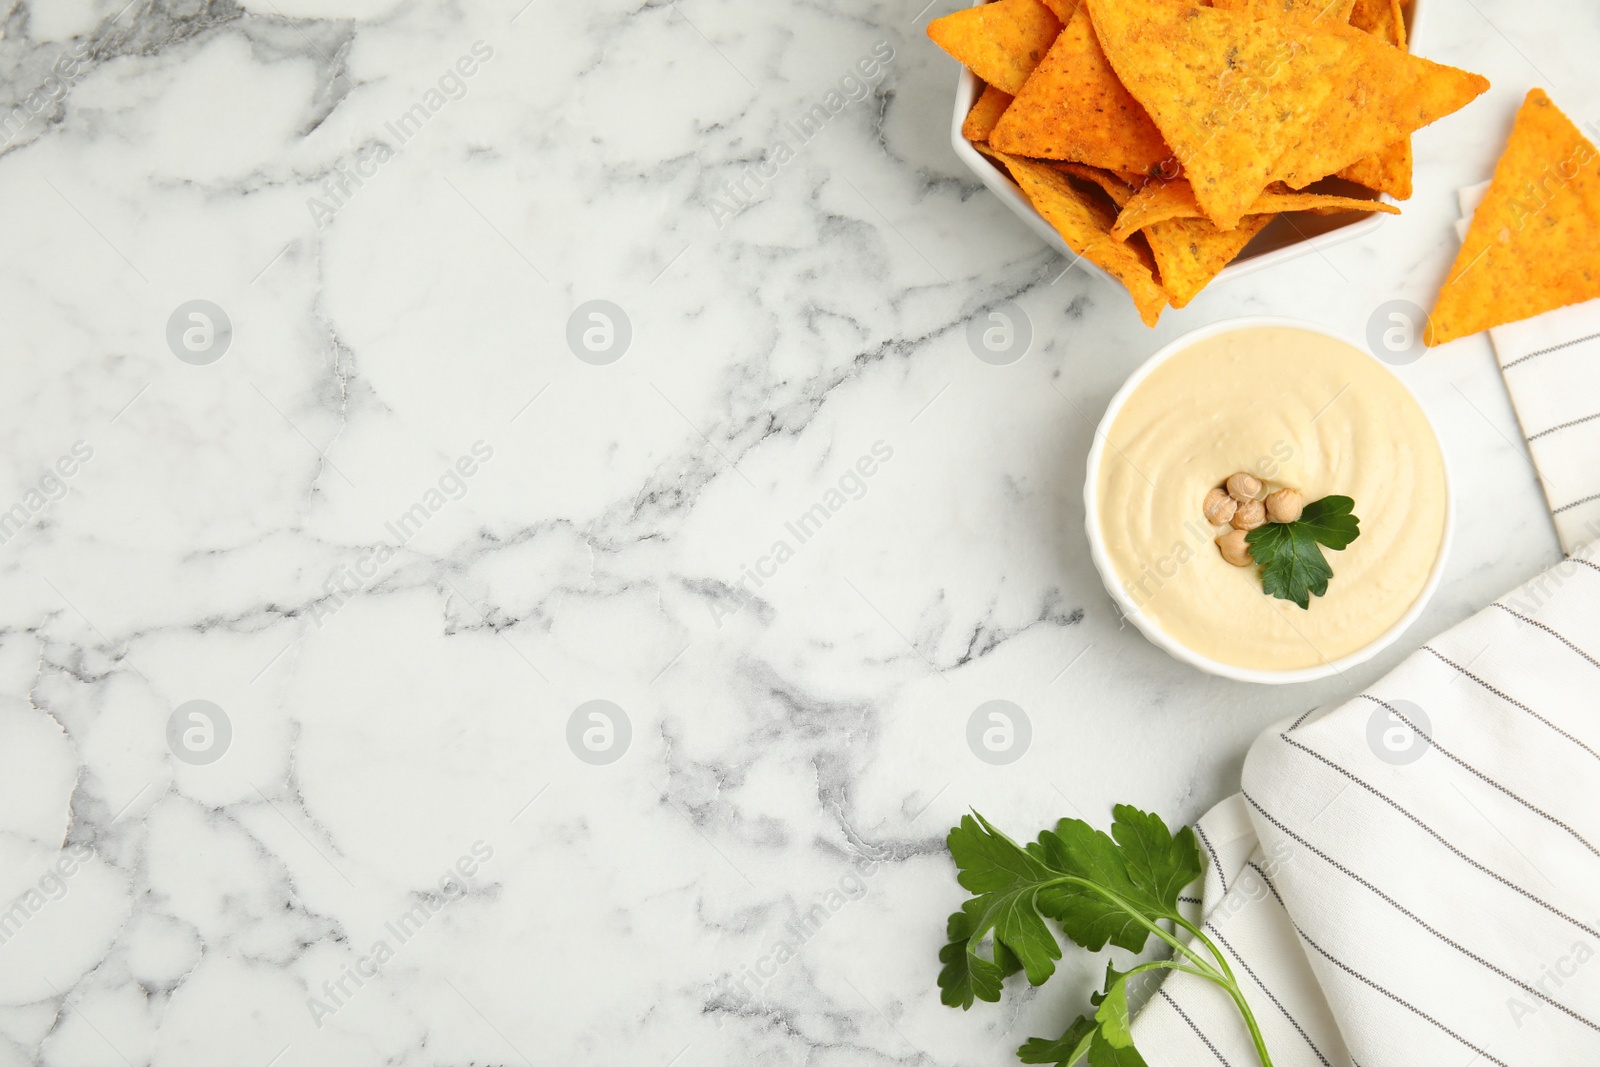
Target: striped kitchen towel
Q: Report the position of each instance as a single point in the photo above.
(1551, 366)
(1412, 878)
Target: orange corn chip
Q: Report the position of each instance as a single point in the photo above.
(986, 111)
(1238, 97)
(1382, 96)
(1381, 17)
(1314, 10)
(1534, 242)
(1086, 227)
(1190, 252)
(1074, 108)
(1116, 186)
(1158, 202)
(1000, 42)
(1389, 171)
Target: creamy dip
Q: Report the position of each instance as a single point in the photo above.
(1296, 409)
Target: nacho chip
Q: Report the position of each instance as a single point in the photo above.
(1238, 97)
(1155, 203)
(1389, 171)
(1382, 18)
(1314, 10)
(1086, 227)
(1532, 246)
(1190, 252)
(1000, 42)
(1116, 186)
(1074, 108)
(986, 111)
(1158, 202)
(1382, 96)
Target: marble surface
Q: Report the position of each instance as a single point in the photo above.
(399, 536)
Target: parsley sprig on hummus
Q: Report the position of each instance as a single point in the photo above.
(1289, 553)
(1280, 534)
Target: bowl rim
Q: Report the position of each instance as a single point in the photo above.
(1146, 625)
(1010, 194)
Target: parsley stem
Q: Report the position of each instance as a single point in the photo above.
(1215, 952)
(1249, 1021)
(1201, 969)
(1168, 965)
(1233, 990)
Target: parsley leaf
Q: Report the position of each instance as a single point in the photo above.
(1112, 1013)
(1330, 521)
(1292, 566)
(1068, 1048)
(1159, 862)
(1083, 911)
(966, 975)
(1006, 880)
(1082, 1038)
(1101, 889)
(1291, 563)
(1103, 1053)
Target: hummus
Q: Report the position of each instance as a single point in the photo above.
(1297, 409)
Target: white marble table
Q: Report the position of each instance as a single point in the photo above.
(398, 533)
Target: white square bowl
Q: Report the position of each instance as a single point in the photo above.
(1281, 241)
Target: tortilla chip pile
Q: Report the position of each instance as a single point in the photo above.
(1534, 242)
(1158, 137)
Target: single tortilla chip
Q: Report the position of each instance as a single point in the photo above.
(1000, 42)
(1384, 18)
(1190, 252)
(1157, 202)
(1116, 186)
(1534, 242)
(1074, 108)
(1085, 225)
(1383, 95)
(986, 111)
(1246, 100)
(1313, 10)
(1388, 171)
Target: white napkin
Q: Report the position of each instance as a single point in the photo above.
(1422, 884)
(1551, 367)
(1418, 902)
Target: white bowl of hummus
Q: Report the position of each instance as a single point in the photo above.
(1296, 407)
